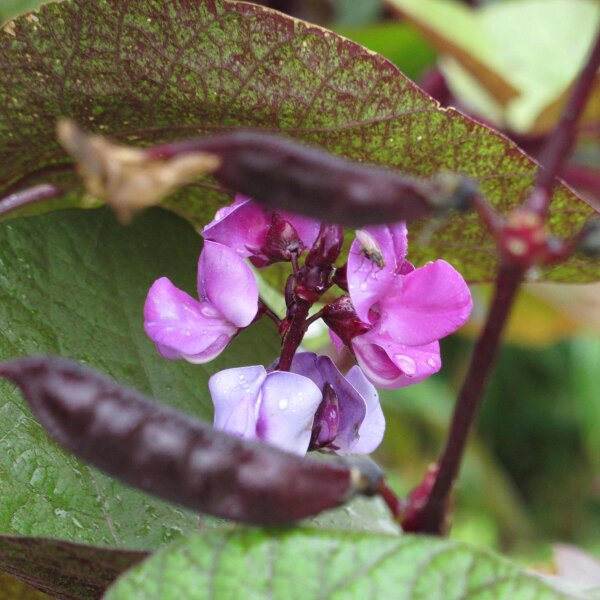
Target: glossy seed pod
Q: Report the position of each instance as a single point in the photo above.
(164, 452)
(291, 176)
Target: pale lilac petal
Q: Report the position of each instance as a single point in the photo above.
(228, 283)
(373, 427)
(210, 352)
(389, 364)
(307, 229)
(236, 396)
(353, 409)
(288, 406)
(241, 226)
(182, 327)
(425, 305)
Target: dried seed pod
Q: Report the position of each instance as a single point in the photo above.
(162, 451)
(288, 175)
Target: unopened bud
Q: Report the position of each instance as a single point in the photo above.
(327, 419)
(341, 317)
(327, 247)
(281, 240)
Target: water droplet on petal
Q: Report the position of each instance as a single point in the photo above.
(283, 404)
(406, 364)
(363, 286)
(432, 362)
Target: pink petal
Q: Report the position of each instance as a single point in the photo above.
(182, 327)
(241, 226)
(236, 396)
(307, 229)
(373, 427)
(425, 305)
(376, 255)
(228, 283)
(389, 364)
(288, 406)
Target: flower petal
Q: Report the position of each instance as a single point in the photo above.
(241, 226)
(375, 256)
(353, 409)
(389, 364)
(182, 327)
(288, 406)
(307, 229)
(236, 396)
(425, 305)
(373, 427)
(228, 283)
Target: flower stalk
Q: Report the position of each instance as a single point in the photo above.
(522, 243)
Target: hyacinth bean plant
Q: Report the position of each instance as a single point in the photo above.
(267, 135)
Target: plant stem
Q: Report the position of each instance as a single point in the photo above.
(433, 516)
(561, 139)
(29, 196)
(314, 318)
(294, 334)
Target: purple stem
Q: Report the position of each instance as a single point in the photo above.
(433, 516)
(563, 136)
(294, 334)
(31, 195)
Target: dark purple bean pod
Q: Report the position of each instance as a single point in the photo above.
(164, 452)
(290, 176)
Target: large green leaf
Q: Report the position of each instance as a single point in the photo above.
(511, 61)
(309, 565)
(147, 71)
(74, 283)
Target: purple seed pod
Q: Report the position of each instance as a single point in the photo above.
(159, 450)
(290, 176)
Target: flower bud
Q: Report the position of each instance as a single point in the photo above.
(327, 420)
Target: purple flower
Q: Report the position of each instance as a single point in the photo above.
(261, 234)
(198, 330)
(408, 309)
(312, 406)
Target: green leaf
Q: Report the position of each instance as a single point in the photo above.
(511, 61)
(74, 283)
(309, 565)
(146, 72)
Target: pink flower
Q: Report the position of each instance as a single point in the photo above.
(261, 234)
(313, 406)
(408, 309)
(199, 330)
